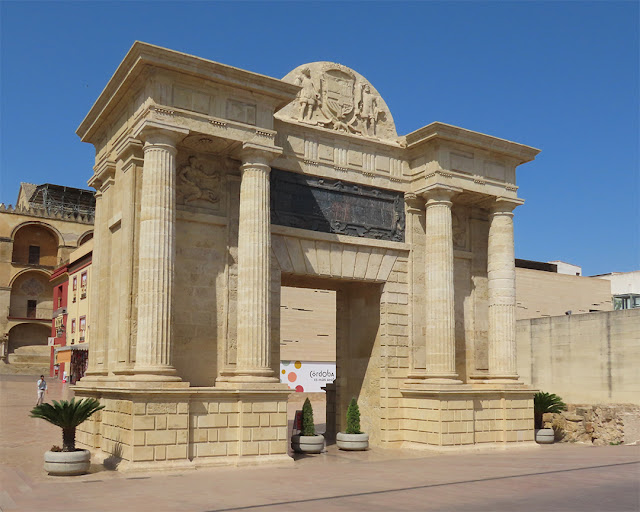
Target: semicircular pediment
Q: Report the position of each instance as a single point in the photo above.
(336, 97)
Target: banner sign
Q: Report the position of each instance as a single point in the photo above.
(306, 376)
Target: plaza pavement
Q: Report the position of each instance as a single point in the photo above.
(543, 478)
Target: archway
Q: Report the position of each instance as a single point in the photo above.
(35, 244)
(28, 335)
(85, 238)
(31, 296)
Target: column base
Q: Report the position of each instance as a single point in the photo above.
(154, 374)
(252, 375)
(433, 378)
(496, 379)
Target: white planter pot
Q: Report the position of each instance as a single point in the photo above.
(545, 436)
(352, 442)
(67, 463)
(307, 444)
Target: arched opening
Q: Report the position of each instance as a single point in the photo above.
(35, 244)
(28, 335)
(31, 296)
(85, 238)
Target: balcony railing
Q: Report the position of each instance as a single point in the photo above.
(36, 313)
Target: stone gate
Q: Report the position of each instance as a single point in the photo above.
(215, 186)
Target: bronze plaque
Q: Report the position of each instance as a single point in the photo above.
(332, 206)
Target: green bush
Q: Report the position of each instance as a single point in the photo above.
(353, 418)
(546, 402)
(308, 428)
(67, 415)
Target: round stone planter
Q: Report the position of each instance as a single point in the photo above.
(353, 442)
(545, 436)
(307, 444)
(67, 463)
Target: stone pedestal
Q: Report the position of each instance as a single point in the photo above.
(502, 293)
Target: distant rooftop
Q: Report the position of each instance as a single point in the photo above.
(536, 265)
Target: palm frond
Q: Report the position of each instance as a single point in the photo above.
(66, 414)
(547, 402)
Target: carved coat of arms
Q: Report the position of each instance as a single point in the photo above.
(336, 98)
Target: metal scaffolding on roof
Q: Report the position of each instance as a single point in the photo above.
(58, 199)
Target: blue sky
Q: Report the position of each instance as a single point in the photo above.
(559, 76)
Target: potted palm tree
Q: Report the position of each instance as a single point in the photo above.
(353, 439)
(544, 403)
(307, 441)
(67, 415)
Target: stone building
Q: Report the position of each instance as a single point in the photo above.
(216, 186)
(36, 236)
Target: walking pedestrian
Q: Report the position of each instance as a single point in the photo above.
(42, 387)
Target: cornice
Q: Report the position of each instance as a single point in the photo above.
(142, 55)
(441, 131)
(104, 171)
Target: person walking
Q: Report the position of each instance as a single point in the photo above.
(42, 387)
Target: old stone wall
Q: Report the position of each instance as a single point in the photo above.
(596, 424)
(591, 358)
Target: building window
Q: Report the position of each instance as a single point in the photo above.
(83, 284)
(60, 296)
(629, 301)
(34, 255)
(73, 326)
(32, 305)
(83, 326)
(75, 283)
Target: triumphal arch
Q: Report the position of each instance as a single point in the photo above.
(216, 186)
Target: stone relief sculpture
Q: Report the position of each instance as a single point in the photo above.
(308, 96)
(335, 97)
(368, 110)
(460, 232)
(198, 181)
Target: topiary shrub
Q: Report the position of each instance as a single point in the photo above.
(353, 418)
(546, 402)
(308, 427)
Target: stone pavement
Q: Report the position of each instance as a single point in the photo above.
(544, 478)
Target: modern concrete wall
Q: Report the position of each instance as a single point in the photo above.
(548, 294)
(587, 359)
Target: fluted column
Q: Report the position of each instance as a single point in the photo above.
(502, 293)
(440, 314)
(253, 361)
(157, 257)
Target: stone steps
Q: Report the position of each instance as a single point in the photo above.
(36, 355)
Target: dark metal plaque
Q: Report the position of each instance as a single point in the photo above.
(331, 206)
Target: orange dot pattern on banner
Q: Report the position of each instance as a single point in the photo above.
(298, 364)
(299, 389)
(284, 371)
(292, 377)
